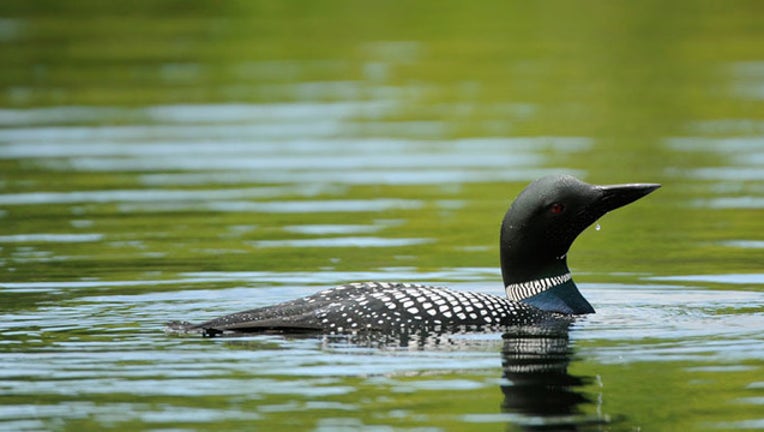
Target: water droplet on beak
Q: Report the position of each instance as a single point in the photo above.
(597, 227)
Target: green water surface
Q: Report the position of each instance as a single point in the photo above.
(164, 160)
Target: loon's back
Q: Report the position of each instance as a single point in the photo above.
(379, 307)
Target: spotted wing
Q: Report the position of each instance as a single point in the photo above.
(379, 306)
(410, 307)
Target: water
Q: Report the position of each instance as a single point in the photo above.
(161, 163)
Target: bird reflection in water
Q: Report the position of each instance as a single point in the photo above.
(537, 385)
(539, 394)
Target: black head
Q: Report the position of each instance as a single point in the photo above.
(546, 218)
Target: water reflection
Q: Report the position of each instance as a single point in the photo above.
(538, 385)
(539, 393)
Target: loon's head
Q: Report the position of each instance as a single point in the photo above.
(539, 228)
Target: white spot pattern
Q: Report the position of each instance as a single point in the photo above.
(386, 307)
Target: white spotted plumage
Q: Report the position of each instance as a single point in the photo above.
(384, 306)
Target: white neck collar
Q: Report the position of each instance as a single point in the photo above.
(523, 290)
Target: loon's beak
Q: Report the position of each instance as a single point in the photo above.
(615, 196)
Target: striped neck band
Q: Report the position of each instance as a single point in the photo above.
(523, 290)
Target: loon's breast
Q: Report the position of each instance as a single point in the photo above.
(383, 307)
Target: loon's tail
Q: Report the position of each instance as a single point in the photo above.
(247, 322)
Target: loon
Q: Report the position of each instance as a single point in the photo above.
(536, 233)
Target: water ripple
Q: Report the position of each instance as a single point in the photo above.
(342, 242)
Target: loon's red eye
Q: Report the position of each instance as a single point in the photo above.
(556, 208)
